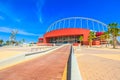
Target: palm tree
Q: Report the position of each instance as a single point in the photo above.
(7, 42)
(102, 38)
(91, 37)
(13, 36)
(23, 40)
(1, 41)
(105, 37)
(114, 31)
(81, 39)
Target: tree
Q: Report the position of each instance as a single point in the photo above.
(114, 31)
(20, 42)
(13, 36)
(1, 42)
(91, 37)
(107, 37)
(81, 39)
(102, 38)
(23, 40)
(7, 42)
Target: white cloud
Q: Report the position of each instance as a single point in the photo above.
(8, 30)
(5, 29)
(40, 19)
(40, 4)
(26, 33)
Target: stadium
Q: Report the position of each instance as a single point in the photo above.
(69, 30)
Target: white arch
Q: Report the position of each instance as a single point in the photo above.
(52, 27)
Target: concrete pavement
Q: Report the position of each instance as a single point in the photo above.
(97, 64)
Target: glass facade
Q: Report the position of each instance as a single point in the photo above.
(65, 39)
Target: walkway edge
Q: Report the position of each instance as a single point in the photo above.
(75, 72)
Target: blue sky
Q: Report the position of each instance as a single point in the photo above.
(32, 17)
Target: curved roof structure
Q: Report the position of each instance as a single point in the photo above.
(78, 22)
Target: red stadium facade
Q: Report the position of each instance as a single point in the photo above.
(68, 35)
(69, 30)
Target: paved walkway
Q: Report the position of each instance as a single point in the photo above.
(95, 64)
(47, 67)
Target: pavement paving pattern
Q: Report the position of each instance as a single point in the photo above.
(93, 66)
(47, 67)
